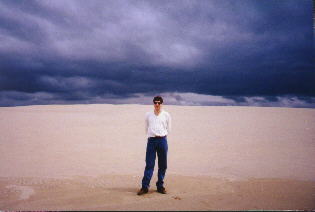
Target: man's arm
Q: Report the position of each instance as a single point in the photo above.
(146, 124)
(169, 123)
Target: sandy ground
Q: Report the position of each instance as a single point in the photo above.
(91, 157)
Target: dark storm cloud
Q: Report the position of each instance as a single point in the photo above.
(101, 51)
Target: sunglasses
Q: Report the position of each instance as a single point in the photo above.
(157, 103)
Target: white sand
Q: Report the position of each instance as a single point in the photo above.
(95, 141)
(24, 191)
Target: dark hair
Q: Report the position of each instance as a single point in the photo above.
(158, 98)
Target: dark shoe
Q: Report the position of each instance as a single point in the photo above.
(143, 191)
(161, 190)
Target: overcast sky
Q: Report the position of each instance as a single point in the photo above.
(212, 52)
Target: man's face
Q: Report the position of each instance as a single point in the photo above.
(157, 105)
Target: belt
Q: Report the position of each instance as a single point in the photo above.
(159, 136)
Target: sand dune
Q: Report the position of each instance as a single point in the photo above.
(91, 157)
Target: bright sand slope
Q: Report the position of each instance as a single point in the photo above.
(91, 157)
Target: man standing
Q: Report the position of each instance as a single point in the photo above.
(157, 126)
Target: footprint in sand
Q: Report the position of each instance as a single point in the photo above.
(177, 198)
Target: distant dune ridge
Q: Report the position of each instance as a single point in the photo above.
(91, 157)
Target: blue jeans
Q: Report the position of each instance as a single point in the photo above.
(159, 146)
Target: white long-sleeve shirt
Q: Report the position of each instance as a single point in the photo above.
(157, 125)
